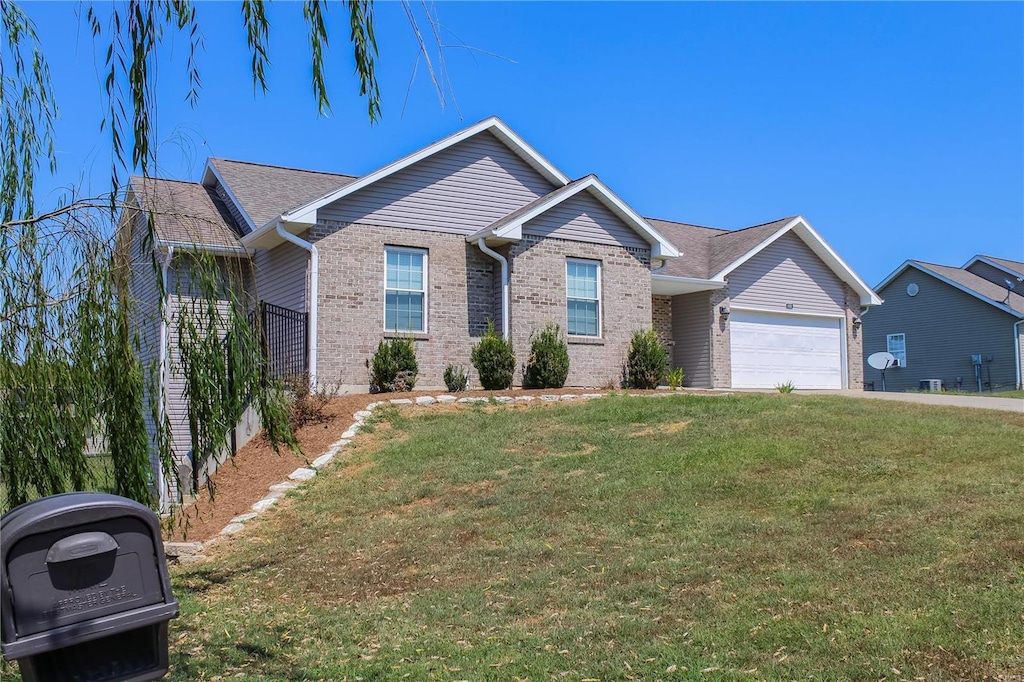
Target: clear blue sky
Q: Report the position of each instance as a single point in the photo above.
(897, 130)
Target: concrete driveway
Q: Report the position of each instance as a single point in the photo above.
(981, 402)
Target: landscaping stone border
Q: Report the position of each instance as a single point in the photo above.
(187, 552)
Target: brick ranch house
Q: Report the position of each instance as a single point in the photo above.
(479, 226)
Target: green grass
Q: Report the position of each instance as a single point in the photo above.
(684, 537)
(733, 537)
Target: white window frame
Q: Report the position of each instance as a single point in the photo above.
(600, 304)
(426, 306)
(889, 338)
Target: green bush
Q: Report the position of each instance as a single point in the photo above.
(393, 367)
(455, 378)
(548, 365)
(675, 378)
(494, 359)
(645, 361)
(786, 387)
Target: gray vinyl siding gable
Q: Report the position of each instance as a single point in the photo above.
(281, 276)
(691, 331)
(944, 327)
(785, 272)
(233, 209)
(583, 218)
(459, 190)
(994, 275)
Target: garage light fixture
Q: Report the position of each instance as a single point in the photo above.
(856, 323)
(724, 312)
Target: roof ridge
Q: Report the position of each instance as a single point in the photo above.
(677, 222)
(751, 227)
(153, 177)
(279, 167)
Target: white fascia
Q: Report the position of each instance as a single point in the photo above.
(799, 224)
(945, 280)
(669, 285)
(211, 171)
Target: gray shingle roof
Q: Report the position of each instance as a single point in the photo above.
(185, 212)
(725, 248)
(706, 250)
(977, 284)
(266, 192)
(1016, 266)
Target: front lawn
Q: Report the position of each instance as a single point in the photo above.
(687, 537)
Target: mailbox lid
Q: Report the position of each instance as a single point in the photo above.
(52, 588)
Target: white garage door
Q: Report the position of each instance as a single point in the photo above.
(771, 349)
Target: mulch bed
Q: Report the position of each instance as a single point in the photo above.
(247, 476)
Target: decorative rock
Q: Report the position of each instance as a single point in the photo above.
(426, 400)
(473, 399)
(525, 398)
(302, 474)
(568, 396)
(284, 486)
(446, 399)
(592, 395)
(400, 401)
(505, 399)
(351, 433)
(265, 504)
(363, 414)
(180, 549)
(242, 518)
(548, 398)
(232, 528)
(373, 406)
(341, 443)
(323, 460)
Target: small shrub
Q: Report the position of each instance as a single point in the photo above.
(675, 378)
(455, 379)
(393, 367)
(645, 361)
(786, 387)
(306, 406)
(548, 366)
(494, 359)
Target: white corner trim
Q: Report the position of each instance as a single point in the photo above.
(212, 170)
(314, 293)
(945, 280)
(492, 124)
(868, 297)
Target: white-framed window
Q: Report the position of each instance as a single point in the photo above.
(897, 345)
(583, 297)
(405, 289)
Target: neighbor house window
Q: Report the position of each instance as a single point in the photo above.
(897, 345)
(583, 297)
(405, 290)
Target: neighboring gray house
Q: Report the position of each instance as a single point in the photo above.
(479, 226)
(961, 326)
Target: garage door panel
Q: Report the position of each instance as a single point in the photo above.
(770, 349)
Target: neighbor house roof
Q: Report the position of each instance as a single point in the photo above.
(1009, 266)
(968, 282)
(186, 213)
(263, 191)
(511, 225)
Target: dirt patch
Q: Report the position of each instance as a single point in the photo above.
(643, 431)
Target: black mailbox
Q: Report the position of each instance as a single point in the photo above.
(84, 589)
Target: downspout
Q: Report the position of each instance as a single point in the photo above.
(314, 290)
(664, 264)
(1016, 350)
(504, 283)
(162, 397)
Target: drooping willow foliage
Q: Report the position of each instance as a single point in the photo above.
(78, 372)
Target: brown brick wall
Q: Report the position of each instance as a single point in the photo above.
(721, 349)
(538, 297)
(854, 342)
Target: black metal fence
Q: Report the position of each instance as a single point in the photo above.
(285, 340)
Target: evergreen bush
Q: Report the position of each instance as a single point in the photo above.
(646, 359)
(393, 367)
(494, 359)
(455, 379)
(548, 366)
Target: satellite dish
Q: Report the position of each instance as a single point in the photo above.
(881, 360)
(1010, 285)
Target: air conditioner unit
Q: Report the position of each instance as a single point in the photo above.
(931, 385)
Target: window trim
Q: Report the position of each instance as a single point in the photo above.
(388, 248)
(599, 299)
(888, 347)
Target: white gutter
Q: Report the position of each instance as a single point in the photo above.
(504, 284)
(162, 395)
(1016, 350)
(215, 249)
(314, 290)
